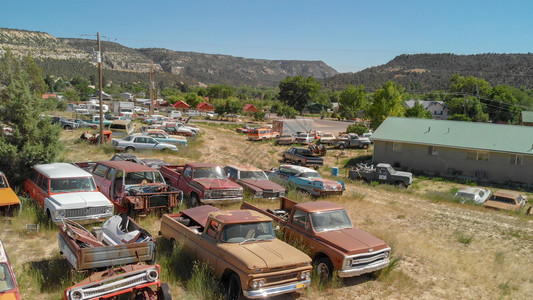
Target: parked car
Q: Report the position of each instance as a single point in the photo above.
(65, 123)
(9, 288)
(245, 128)
(9, 201)
(122, 128)
(307, 180)
(286, 139)
(327, 138)
(150, 162)
(302, 157)
(255, 181)
(305, 138)
(506, 200)
(382, 173)
(476, 195)
(262, 134)
(351, 140)
(141, 142)
(65, 191)
(161, 136)
(83, 123)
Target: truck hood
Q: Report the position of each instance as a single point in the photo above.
(262, 185)
(217, 184)
(352, 240)
(265, 254)
(79, 200)
(8, 197)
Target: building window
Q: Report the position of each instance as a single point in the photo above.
(517, 159)
(396, 147)
(432, 150)
(477, 155)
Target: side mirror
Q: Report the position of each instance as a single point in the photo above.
(277, 228)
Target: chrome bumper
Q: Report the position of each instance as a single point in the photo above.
(366, 269)
(273, 291)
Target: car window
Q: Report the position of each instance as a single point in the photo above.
(300, 218)
(100, 170)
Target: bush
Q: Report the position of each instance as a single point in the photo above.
(358, 128)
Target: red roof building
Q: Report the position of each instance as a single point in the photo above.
(181, 105)
(249, 108)
(46, 96)
(205, 107)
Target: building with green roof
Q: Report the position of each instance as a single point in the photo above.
(526, 118)
(475, 151)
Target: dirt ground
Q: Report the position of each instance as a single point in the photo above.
(442, 249)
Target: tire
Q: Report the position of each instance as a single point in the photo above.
(234, 291)
(300, 163)
(400, 184)
(131, 211)
(263, 139)
(194, 201)
(164, 292)
(341, 146)
(172, 243)
(365, 146)
(67, 127)
(324, 267)
(129, 149)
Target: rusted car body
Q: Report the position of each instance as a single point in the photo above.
(9, 289)
(506, 200)
(132, 187)
(87, 250)
(9, 201)
(326, 229)
(242, 248)
(141, 281)
(254, 181)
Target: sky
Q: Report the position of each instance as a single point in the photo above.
(348, 35)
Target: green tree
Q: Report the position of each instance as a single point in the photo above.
(219, 91)
(387, 102)
(192, 99)
(460, 117)
(468, 106)
(286, 111)
(358, 128)
(470, 86)
(298, 91)
(418, 111)
(34, 139)
(351, 101)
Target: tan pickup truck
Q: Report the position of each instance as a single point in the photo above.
(242, 248)
(327, 230)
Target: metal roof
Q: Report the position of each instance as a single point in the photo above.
(61, 170)
(457, 134)
(527, 116)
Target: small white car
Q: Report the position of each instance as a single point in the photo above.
(477, 195)
(141, 142)
(305, 138)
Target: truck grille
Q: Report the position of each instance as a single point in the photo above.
(364, 260)
(159, 201)
(271, 194)
(280, 278)
(87, 211)
(225, 193)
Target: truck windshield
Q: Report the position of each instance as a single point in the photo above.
(67, 185)
(208, 172)
(254, 175)
(6, 281)
(330, 220)
(143, 177)
(238, 233)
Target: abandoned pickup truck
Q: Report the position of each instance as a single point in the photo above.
(307, 180)
(203, 183)
(9, 201)
(351, 140)
(327, 230)
(63, 191)
(382, 173)
(140, 281)
(254, 181)
(132, 187)
(242, 248)
(302, 157)
(120, 241)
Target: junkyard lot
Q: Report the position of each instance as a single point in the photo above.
(445, 250)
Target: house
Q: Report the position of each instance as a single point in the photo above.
(205, 107)
(526, 118)
(47, 96)
(249, 109)
(438, 109)
(126, 96)
(181, 106)
(472, 151)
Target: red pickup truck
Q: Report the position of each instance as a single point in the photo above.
(202, 183)
(326, 228)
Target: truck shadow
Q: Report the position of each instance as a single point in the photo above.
(351, 281)
(52, 274)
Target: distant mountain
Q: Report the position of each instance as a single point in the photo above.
(429, 72)
(73, 57)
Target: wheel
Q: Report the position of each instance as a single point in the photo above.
(341, 146)
(300, 163)
(400, 184)
(315, 167)
(164, 292)
(130, 149)
(234, 288)
(263, 139)
(194, 200)
(365, 146)
(67, 127)
(172, 243)
(324, 267)
(131, 211)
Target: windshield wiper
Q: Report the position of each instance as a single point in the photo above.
(248, 240)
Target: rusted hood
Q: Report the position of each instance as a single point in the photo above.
(265, 254)
(262, 184)
(352, 240)
(501, 205)
(217, 184)
(328, 184)
(8, 197)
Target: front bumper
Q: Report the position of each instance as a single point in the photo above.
(378, 265)
(217, 201)
(273, 291)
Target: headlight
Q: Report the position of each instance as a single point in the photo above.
(108, 209)
(152, 275)
(257, 283)
(60, 213)
(386, 254)
(305, 275)
(258, 193)
(348, 263)
(75, 295)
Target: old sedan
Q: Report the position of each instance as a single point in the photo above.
(307, 180)
(141, 142)
(255, 181)
(161, 136)
(476, 195)
(506, 200)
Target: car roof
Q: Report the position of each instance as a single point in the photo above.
(317, 206)
(239, 216)
(468, 190)
(244, 167)
(199, 165)
(61, 170)
(127, 166)
(506, 194)
(300, 169)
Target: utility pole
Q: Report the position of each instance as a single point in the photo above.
(151, 89)
(100, 81)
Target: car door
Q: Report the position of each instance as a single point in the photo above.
(151, 143)
(140, 143)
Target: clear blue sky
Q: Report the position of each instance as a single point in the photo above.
(347, 35)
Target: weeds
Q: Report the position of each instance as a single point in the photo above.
(436, 197)
(464, 238)
(49, 275)
(203, 284)
(386, 272)
(506, 288)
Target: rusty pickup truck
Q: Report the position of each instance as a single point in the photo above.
(133, 188)
(242, 248)
(203, 183)
(120, 241)
(334, 243)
